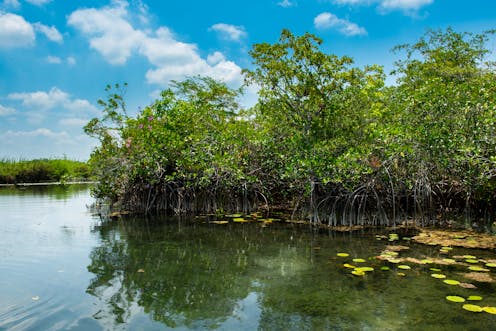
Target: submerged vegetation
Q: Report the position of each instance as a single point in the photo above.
(43, 170)
(326, 140)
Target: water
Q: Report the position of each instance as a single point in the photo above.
(62, 268)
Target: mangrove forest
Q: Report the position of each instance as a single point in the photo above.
(327, 141)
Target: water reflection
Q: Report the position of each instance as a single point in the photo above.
(198, 276)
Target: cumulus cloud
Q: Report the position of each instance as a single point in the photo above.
(15, 4)
(55, 98)
(71, 60)
(111, 33)
(409, 7)
(228, 31)
(286, 3)
(15, 31)
(6, 111)
(327, 20)
(50, 32)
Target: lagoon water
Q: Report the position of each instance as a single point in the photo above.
(63, 268)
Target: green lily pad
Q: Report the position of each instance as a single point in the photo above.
(476, 268)
(342, 254)
(446, 248)
(358, 272)
(358, 260)
(490, 310)
(455, 298)
(234, 215)
(474, 298)
(365, 269)
(451, 282)
(491, 265)
(469, 257)
(401, 274)
(449, 260)
(395, 261)
(435, 269)
(471, 261)
(438, 276)
(426, 261)
(472, 308)
(239, 220)
(347, 265)
(384, 268)
(404, 267)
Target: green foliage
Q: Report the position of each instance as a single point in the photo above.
(324, 135)
(42, 170)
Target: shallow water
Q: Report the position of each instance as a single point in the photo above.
(62, 268)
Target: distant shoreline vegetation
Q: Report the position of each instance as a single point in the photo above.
(326, 140)
(14, 171)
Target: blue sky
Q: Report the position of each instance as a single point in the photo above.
(57, 56)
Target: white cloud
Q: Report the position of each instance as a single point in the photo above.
(15, 31)
(74, 122)
(328, 20)
(50, 32)
(55, 98)
(409, 7)
(228, 31)
(6, 111)
(71, 60)
(405, 5)
(112, 35)
(38, 2)
(41, 132)
(53, 59)
(287, 3)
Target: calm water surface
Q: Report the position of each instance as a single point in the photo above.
(62, 268)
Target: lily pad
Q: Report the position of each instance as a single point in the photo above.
(438, 276)
(476, 268)
(395, 261)
(469, 257)
(239, 220)
(490, 310)
(474, 298)
(472, 308)
(404, 267)
(365, 269)
(426, 261)
(455, 298)
(347, 265)
(358, 272)
(358, 260)
(384, 268)
(401, 274)
(449, 260)
(491, 265)
(451, 282)
(435, 269)
(342, 254)
(471, 261)
(446, 248)
(219, 222)
(234, 215)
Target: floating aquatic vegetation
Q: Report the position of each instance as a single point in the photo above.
(365, 269)
(471, 261)
(490, 310)
(395, 261)
(358, 272)
(234, 215)
(385, 268)
(396, 248)
(446, 238)
(446, 248)
(449, 261)
(342, 254)
(482, 277)
(474, 298)
(239, 220)
(401, 274)
(219, 222)
(455, 298)
(476, 268)
(451, 282)
(438, 276)
(467, 285)
(358, 260)
(404, 267)
(435, 269)
(347, 265)
(491, 265)
(469, 257)
(427, 261)
(472, 308)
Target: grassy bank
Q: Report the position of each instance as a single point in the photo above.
(43, 170)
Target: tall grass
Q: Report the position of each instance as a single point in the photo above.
(42, 170)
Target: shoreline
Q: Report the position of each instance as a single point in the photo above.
(48, 183)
